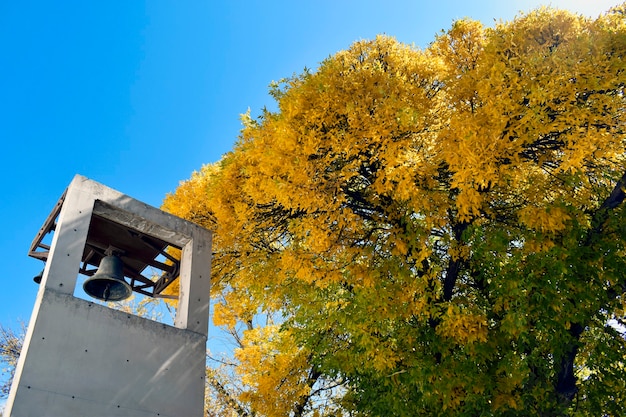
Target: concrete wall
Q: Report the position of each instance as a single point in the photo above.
(83, 359)
(89, 360)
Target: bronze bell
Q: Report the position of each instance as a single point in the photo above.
(108, 283)
(37, 278)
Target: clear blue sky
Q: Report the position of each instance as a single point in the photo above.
(139, 94)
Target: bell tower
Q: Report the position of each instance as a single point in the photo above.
(82, 358)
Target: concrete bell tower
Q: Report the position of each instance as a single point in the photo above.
(81, 358)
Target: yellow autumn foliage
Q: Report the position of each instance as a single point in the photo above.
(440, 229)
(280, 381)
(463, 326)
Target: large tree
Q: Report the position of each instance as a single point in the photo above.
(433, 232)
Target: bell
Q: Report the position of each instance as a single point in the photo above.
(37, 278)
(108, 283)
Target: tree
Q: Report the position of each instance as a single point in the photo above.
(434, 232)
(10, 348)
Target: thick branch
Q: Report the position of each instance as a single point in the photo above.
(617, 195)
(300, 408)
(455, 265)
(566, 381)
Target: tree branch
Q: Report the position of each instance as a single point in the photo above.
(617, 196)
(566, 381)
(455, 265)
(300, 407)
(228, 398)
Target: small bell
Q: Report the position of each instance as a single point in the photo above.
(37, 278)
(108, 283)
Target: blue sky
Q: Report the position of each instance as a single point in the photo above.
(139, 94)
